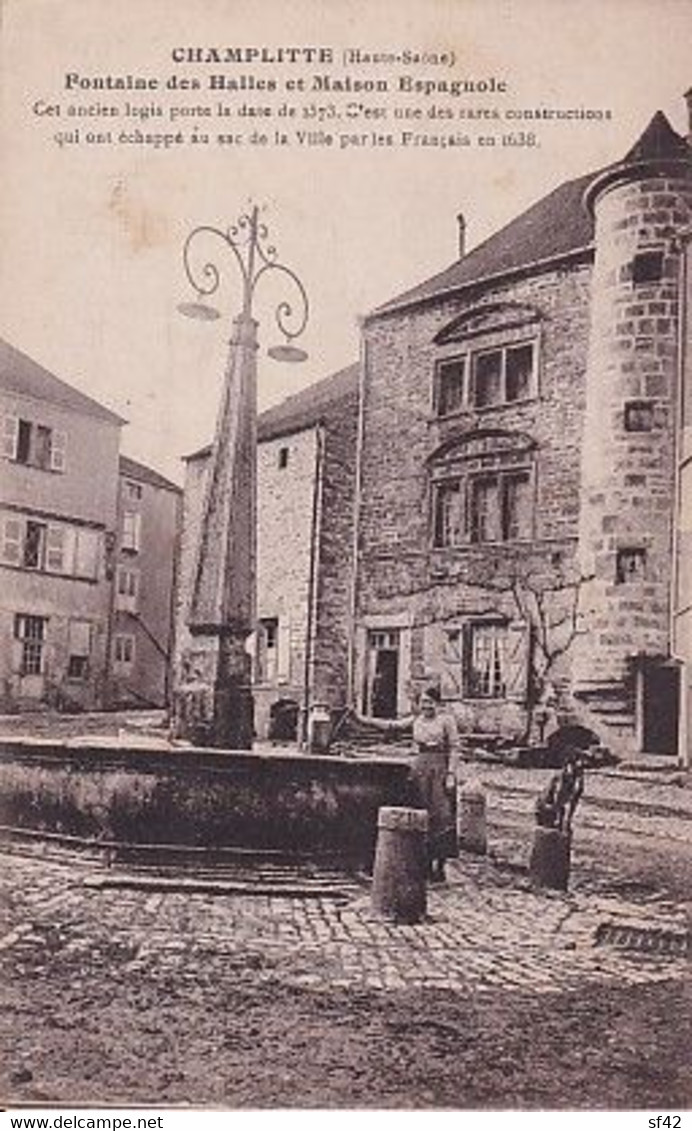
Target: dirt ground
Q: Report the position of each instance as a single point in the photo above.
(78, 1038)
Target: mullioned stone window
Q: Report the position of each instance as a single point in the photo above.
(495, 361)
(486, 378)
(483, 489)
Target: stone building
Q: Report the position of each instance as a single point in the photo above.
(148, 529)
(58, 477)
(305, 486)
(520, 467)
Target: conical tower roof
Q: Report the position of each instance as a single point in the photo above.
(657, 149)
(658, 142)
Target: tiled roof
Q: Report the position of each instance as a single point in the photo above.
(557, 225)
(554, 226)
(132, 469)
(307, 407)
(19, 374)
(303, 409)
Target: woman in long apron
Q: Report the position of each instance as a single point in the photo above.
(434, 775)
(434, 772)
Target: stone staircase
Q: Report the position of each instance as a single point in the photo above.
(607, 708)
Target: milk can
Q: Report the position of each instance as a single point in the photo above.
(319, 728)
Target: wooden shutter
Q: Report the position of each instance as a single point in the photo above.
(58, 450)
(55, 540)
(69, 550)
(283, 661)
(132, 528)
(516, 660)
(9, 438)
(12, 538)
(80, 638)
(451, 666)
(86, 555)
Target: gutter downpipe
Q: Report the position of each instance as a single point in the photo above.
(362, 383)
(684, 242)
(308, 670)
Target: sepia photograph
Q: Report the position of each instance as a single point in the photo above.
(345, 558)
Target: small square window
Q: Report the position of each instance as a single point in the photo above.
(630, 565)
(133, 490)
(639, 416)
(123, 651)
(647, 267)
(78, 667)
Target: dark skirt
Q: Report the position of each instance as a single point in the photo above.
(429, 778)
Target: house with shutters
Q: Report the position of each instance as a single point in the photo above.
(58, 509)
(523, 507)
(88, 552)
(306, 478)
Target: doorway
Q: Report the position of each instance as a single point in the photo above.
(382, 674)
(660, 708)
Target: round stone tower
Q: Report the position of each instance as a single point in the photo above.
(626, 532)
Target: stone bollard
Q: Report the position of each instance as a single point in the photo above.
(550, 858)
(472, 831)
(399, 890)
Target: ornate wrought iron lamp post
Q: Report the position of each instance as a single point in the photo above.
(213, 703)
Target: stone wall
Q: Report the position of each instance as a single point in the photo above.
(628, 474)
(305, 498)
(329, 669)
(402, 578)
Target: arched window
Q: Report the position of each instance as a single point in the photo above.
(482, 489)
(488, 359)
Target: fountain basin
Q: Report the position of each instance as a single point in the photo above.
(289, 802)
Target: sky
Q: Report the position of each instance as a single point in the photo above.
(92, 235)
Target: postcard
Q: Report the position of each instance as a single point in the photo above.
(345, 584)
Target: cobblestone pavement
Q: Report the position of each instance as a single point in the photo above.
(485, 930)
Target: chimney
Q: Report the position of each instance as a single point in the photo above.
(688, 102)
(461, 230)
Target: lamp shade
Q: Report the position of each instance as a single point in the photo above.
(287, 353)
(199, 310)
